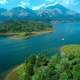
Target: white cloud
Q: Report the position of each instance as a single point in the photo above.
(3, 2)
(24, 3)
(38, 7)
(51, 4)
(50, 0)
(66, 2)
(45, 5)
(53, 0)
(70, 2)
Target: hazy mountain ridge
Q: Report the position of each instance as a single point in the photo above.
(58, 11)
(52, 12)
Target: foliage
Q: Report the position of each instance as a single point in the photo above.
(23, 26)
(59, 67)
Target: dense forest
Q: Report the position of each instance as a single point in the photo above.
(65, 66)
(23, 26)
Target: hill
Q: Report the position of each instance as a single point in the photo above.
(24, 28)
(47, 13)
(58, 67)
(58, 12)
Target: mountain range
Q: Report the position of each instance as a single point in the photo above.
(53, 12)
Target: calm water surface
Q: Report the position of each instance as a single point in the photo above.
(13, 52)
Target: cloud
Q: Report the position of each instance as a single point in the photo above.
(50, 0)
(70, 2)
(53, 0)
(76, 2)
(38, 7)
(67, 2)
(24, 3)
(48, 3)
(3, 2)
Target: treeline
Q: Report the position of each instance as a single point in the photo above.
(23, 26)
(58, 67)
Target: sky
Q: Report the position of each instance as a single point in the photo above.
(36, 4)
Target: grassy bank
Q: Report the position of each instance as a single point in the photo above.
(65, 66)
(22, 35)
(24, 29)
(13, 73)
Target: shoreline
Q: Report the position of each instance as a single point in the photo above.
(12, 72)
(22, 35)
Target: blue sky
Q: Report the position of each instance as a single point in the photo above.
(36, 4)
(23, 3)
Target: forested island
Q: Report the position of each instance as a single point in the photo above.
(24, 29)
(65, 66)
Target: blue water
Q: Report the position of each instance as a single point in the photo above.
(13, 52)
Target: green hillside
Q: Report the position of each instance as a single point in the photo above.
(23, 26)
(22, 29)
(65, 66)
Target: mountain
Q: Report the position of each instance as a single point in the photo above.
(57, 12)
(47, 13)
(18, 13)
(2, 10)
(2, 16)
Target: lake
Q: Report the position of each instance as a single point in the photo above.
(13, 52)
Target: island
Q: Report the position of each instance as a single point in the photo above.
(63, 66)
(24, 29)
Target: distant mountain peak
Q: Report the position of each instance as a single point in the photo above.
(55, 6)
(2, 10)
(49, 12)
